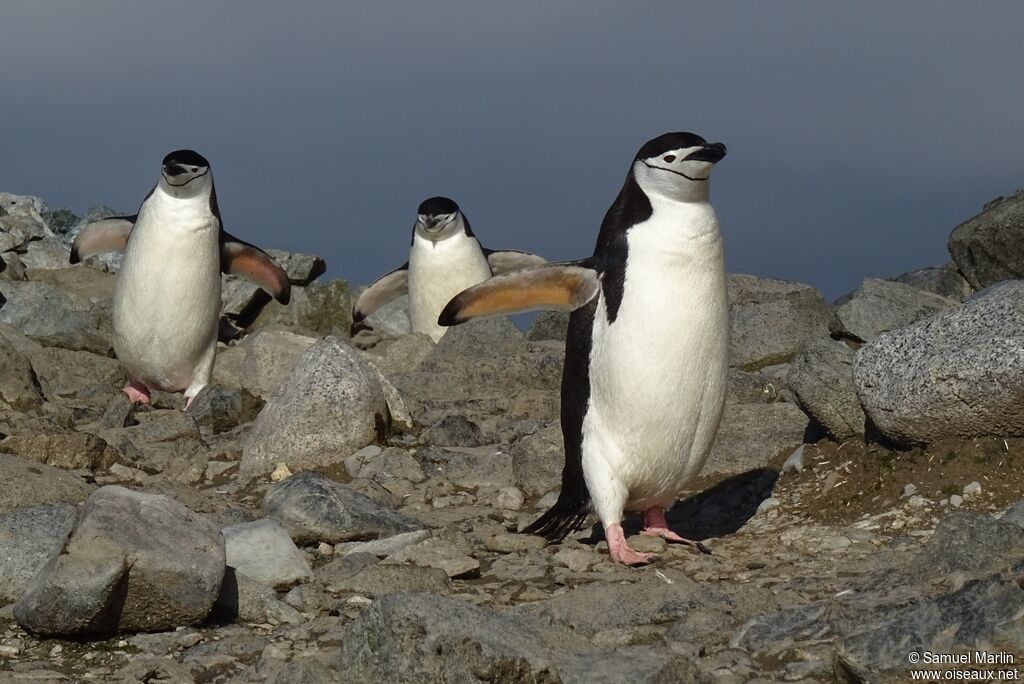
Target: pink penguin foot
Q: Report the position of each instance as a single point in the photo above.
(137, 392)
(620, 551)
(655, 525)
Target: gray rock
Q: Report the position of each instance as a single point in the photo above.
(988, 248)
(971, 543)
(945, 281)
(330, 406)
(219, 409)
(484, 338)
(28, 538)
(381, 580)
(45, 255)
(1014, 514)
(263, 551)
(318, 309)
(249, 600)
(769, 320)
(383, 547)
(29, 484)
(62, 449)
(19, 387)
(419, 637)
(549, 325)
(750, 435)
(390, 464)
(314, 508)
(392, 319)
(22, 221)
(437, 553)
(404, 354)
(65, 374)
(241, 298)
(959, 373)
(821, 377)
(61, 221)
(56, 317)
(302, 269)
(133, 562)
(537, 461)
(271, 358)
(878, 306)
(454, 431)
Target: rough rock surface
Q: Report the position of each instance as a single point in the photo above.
(750, 435)
(945, 281)
(821, 377)
(332, 405)
(263, 551)
(988, 248)
(769, 320)
(28, 538)
(133, 562)
(959, 373)
(29, 484)
(878, 306)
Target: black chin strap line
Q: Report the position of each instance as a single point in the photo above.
(678, 173)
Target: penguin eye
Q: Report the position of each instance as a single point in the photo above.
(194, 169)
(669, 158)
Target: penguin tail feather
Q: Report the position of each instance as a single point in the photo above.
(567, 515)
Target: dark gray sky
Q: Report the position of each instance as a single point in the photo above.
(859, 134)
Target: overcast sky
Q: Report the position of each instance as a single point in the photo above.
(859, 134)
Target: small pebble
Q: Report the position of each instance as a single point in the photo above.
(768, 504)
(795, 462)
(281, 472)
(509, 498)
(909, 490)
(325, 549)
(647, 544)
(971, 490)
(956, 501)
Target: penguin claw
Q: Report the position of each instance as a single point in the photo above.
(137, 392)
(621, 551)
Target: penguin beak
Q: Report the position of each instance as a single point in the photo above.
(172, 169)
(431, 223)
(711, 152)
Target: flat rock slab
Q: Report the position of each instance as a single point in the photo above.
(315, 508)
(422, 637)
(263, 551)
(959, 373)
(331, 405)
(28, 538)
(134, 562)
(55, 317)
(33, 484)
(878, 306)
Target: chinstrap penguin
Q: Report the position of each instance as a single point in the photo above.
(646, 365)
(444, 259)
(166, 304)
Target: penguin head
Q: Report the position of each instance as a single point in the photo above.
(185, 174)
(439, 218)
(677, 166)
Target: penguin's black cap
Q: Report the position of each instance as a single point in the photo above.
(436, 206)
(674, 141)
(185, 158)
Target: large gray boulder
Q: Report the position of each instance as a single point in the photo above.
(56, 317)
(881, 305)
(315, 508)
(271, 358)
(133, 562)
(28, 538)
(821, 377)
(989, 248)
(263, 551)
(21, 221)
(769, 320)
(959, 373)
(945, 281)
(330, 406)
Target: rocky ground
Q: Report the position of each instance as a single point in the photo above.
(345, 509)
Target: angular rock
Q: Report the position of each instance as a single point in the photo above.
(878, 306)
(988, 247)
(957, 374)
(302, 269)
(751, 434)
(318, 309)
(537, 461)
(133, 562)
(454, 431)
(969, 543)
(821, 377)
(29, 484)
(383, 547)
(437, 553)
(56, 317)
(19, 387)
(392, 319)
(484, 338)
(22, 221)
(249, 600)
(945, 281)
(391, 464)
(419, 637)
(549, 325)
(263, 551)
(769, 320)
(45, 255)
(314, 508)
(28, 538)
(270, 359)
(381, 580)
(62, 449)
(66, 374)
(220, 409)
(330, 406)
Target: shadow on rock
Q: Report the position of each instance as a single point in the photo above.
(724, 508)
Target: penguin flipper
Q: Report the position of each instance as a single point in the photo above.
(508, 260)
(389, 286)
(564, 286)
(100, 237)
(241, 258)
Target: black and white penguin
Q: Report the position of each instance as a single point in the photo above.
(167, 301)
(445, 258)
(646, 365)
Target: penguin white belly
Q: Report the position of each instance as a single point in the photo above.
(659, 371)
(167, 297)
(437, 272)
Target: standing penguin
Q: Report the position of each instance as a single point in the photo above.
(167, 302)
(646, 369)
(445, 258)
